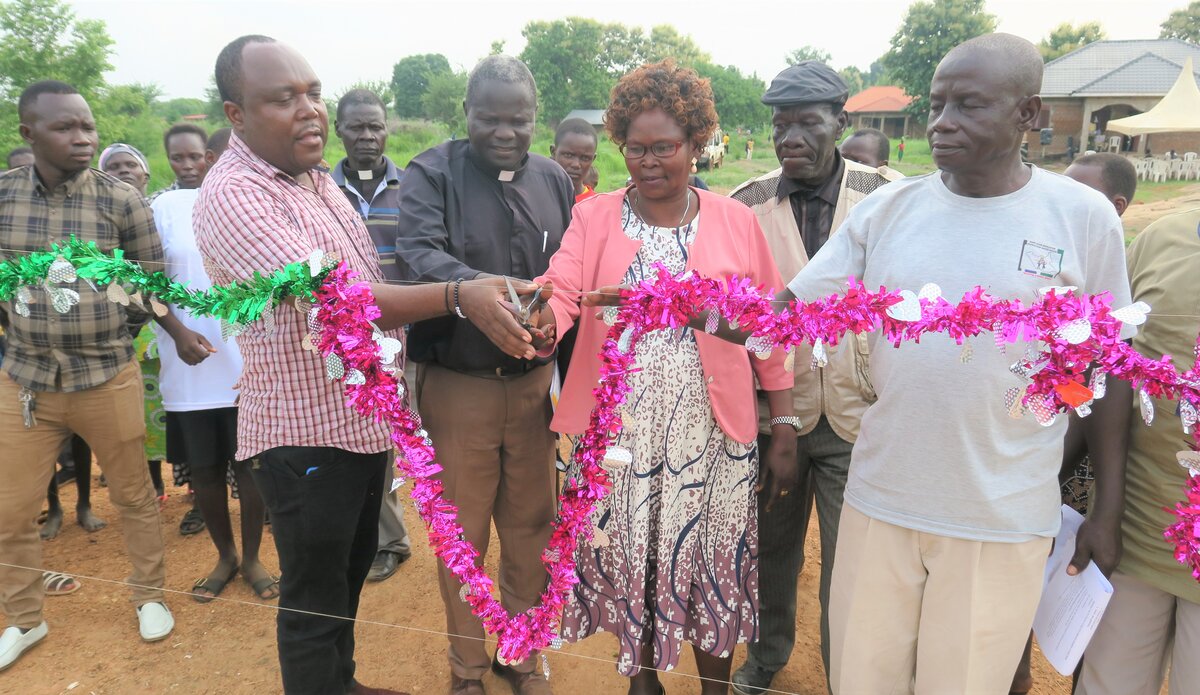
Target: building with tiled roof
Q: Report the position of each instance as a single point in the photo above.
(1105, 80)
(884, 107)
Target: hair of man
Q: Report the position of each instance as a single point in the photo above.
(32, 92)
(883, 145)
(500, 68)
(18, 152)
(577, 126)
(180, 129)
(229, 66)
(360, 96)
(219, 140)
(1116, 172)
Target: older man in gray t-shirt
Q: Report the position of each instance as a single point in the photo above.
(951, 503)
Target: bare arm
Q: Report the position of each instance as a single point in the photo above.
(1106, 432)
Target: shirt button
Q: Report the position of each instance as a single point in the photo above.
(710, 379)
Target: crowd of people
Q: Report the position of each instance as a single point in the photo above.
(932, 547)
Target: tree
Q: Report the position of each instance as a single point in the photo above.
(411, 77)
(497, 47)
(738, 97)
(1183, 24)
(569, 61)
(1065, 38)
(808, 53)
(854, 78)
(929, 30)
(173, 110)
(42, 39)
(379, 88)
(443, 100)
(666, 42)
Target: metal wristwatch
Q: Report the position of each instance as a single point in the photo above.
(787, 420)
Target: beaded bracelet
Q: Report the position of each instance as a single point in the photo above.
(458, 307)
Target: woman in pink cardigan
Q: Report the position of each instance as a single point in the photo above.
(675, 556)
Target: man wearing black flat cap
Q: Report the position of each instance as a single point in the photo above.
(799, 205)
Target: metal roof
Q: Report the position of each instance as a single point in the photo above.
(595, 117)
(1136, 67)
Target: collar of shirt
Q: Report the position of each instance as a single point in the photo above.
(827, 191)
(494, 172)
(70, 186)
(339, 173)
(239, 149)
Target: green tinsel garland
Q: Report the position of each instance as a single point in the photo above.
(237, 304)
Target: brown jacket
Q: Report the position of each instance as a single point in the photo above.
(842, 390)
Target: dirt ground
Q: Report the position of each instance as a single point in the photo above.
(1138, 215)
(229, 646)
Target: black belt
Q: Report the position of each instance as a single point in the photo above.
(499, 372)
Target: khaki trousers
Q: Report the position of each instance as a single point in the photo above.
(1144, 630)
(496, 450)
(913, 612)
(111, 418)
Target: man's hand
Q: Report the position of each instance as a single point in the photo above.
(780, 471)
(481, 301)
(1098, 542)
(192, 347)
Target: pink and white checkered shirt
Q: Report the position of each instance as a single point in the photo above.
(251, 216)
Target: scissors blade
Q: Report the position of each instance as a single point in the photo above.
(512, 292)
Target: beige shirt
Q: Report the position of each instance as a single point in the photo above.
(1164, 261)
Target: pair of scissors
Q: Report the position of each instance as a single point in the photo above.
(522, 310)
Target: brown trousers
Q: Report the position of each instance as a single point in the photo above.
(111, 418)
(496, 450)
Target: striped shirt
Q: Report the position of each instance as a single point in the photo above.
(381, 213)
(250, 217)
(90, 343)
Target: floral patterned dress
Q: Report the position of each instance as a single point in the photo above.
(681, 563)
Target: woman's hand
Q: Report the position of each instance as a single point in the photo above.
(612, 295)
(779, 475)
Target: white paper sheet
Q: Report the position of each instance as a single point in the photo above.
(1071, 607)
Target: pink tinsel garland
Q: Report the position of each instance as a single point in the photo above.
(1079, 333)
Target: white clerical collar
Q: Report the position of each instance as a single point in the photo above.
(506, 175)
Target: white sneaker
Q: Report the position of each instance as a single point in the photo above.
(14, 643)
(155, 622)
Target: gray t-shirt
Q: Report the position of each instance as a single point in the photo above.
(939, 452)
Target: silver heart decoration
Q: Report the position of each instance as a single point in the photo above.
(136, 299)
(545, 666)
(1147, 406)
(1187, 415)
(313, 324)
(967, 354)
(930, 292)
(556, 642)
(1043, 412)
(617, 457)
(230, 330)
(600, 539)
(355, 378)
(21, 308)
(998, 339)
(610, 314)
(712, 323)
(820, 357)
(908, 309)
(1134, 314)
(789, 362)
(24, 294)
(388, 349)
(61, 271)
(1189, 460)
(159, 309)
(396, 483)
(758, 343)
(626, 339)
(1083, 410)
(309, 343)
(1075, 332)
(1012, 402)
(315, 262)
(117, 294)
(268, 319)
(464, 592)
(63, 298)
(334, 367)
(1098, 384)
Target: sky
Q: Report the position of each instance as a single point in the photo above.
(174, 43)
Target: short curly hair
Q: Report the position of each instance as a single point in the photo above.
(680, 92)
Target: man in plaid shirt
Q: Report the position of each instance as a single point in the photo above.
(69, 367)
(266, 203)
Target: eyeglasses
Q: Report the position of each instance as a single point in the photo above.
(659, 149)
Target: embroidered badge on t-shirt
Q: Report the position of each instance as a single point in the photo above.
(1040, 260)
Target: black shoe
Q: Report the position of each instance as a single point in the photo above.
(385, 565)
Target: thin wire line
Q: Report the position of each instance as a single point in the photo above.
(362, 621)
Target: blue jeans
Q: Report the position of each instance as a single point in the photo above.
(824, 459)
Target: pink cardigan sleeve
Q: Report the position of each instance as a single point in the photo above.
(772, 376)
(566, 272)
